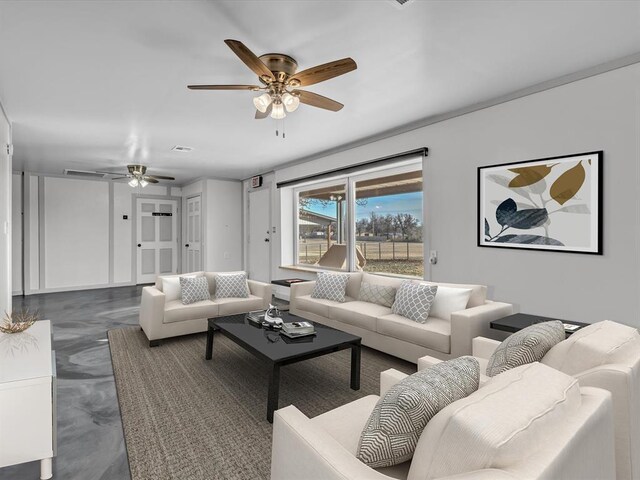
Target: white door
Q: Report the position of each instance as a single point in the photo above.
(194, 234)
(157, 238)
(259, 235)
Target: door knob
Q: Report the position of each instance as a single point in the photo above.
(139, 244)
(266, 239)
(186, 244)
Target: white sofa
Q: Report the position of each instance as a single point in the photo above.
(164, 319)
(604, 355)
(501, 431)
(394, 334)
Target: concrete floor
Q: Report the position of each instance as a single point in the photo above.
(90, 439)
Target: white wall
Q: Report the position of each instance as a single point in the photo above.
(223, 226)
(76, 233)
(5, 215)
(16, 234)
(597, 113)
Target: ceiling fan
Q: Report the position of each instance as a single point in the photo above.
(280, 82)
(139, 177)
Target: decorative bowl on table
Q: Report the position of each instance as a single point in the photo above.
(18, 321)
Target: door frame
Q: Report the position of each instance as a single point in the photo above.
(185, 227)
(134, 230)
(266, 186)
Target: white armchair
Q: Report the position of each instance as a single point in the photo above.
(603, 355)
(576, 424)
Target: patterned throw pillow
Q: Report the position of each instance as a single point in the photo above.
(526, 346)
(194, 289)
(331, 286)
(232, 285)
(398, 419)
(413, 300)
(380, 294)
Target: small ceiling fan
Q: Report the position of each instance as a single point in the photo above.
(277, 74)
(139, 177)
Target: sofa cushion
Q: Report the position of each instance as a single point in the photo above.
(175, 311)
(160, 278)
(398, 419)
(478, 292)
(231, 285)
(413, 301)
(598, 344)
(435, 334)
(374, 279)
(493, 426)
(526, 346)
(383, 295)
(330, 286)
(449, 300)
(231, 306)
(319, 306)
(358, 313)
(211, 280)
(353, 284)
(194, 290)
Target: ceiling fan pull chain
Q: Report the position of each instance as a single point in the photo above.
(283, 131)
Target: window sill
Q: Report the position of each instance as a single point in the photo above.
(312, 269)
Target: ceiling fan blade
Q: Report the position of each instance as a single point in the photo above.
(319, 101)
(260, 115)
(250, 59)
(107, 173)
(223, 87)
(119, 178)
(323, 72)
(150, 179)
(161, 177)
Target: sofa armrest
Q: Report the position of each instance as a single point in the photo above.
(482, 347)
(318, 456)
(151, 312)
(262, 290)
(427, 361)
(474, 322)
(484, 474)
(389, 378)
(300, 289)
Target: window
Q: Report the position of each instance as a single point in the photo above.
(369, 221)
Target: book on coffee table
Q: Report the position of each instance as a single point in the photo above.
(298, 328)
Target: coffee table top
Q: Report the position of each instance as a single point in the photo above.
(518, 321)
(273, 346)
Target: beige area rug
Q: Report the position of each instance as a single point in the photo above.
(187, 418)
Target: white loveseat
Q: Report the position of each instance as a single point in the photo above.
(604, 355)
(394, 334)
(160, 318)
(529, 423)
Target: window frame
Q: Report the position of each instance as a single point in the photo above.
(350, 182)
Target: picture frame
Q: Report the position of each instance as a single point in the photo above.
(549, 204)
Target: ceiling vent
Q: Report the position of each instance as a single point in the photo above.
(181, 148)
(82, 173)
(401, 3)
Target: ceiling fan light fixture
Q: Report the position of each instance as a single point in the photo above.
(133, 182)
(262, 102)
(277, 111)
(143, 183)
(291, 102)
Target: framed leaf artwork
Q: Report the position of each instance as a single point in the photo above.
(552, 204)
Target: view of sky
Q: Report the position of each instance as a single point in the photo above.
(400, 203)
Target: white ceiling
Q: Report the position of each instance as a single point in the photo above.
(97, 85)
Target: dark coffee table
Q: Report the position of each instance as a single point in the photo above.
(518, 321)
(278, 350)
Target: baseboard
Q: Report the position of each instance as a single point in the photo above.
(79, 288)
(15, 294)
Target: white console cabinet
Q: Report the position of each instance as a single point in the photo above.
(28, 398)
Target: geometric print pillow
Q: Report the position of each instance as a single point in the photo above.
(526, 346)
(232, 285)
(394, 427)
(414, 300)
(194, 289)
(331, 286)
(380, 294)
